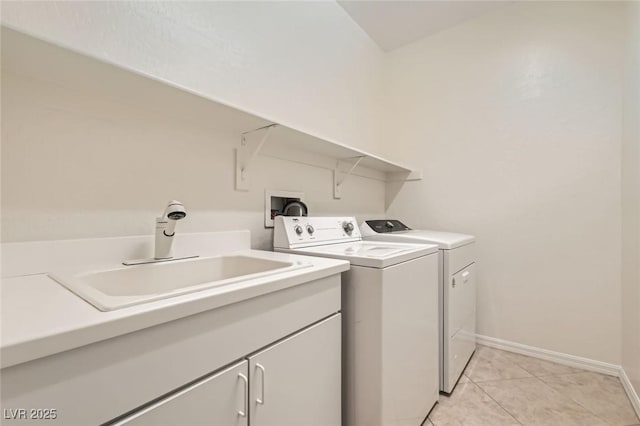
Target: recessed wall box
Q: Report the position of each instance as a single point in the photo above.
(274, 202)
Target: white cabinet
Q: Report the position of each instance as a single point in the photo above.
(97, 383)
(298, 380)
(220, 399)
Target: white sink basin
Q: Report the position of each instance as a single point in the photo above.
(131, 285)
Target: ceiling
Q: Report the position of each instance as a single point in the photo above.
(392, 24)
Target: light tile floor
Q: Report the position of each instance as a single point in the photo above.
(503, 388)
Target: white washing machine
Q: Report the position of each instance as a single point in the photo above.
(456, 295)
(389, 318)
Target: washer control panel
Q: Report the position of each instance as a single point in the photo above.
(296, 231)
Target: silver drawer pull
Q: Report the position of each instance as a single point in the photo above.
(261, 399)
(245, 395)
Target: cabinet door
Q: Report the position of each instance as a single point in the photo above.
(298, 381)
(220, 399)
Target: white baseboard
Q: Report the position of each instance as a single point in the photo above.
(631, 392)
(566, 359)
(557, 357)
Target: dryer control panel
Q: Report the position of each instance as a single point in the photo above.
(386, 225)
(300, 231)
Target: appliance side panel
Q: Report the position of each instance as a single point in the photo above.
(410, 340)
(362, 352)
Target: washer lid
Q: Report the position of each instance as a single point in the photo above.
(445, 240)
(369, 253)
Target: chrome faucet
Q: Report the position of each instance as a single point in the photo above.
(165, 229)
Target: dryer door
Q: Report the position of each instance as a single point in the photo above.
(462, 298)
(462, 320)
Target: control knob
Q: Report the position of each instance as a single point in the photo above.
(348, 227)
(298, 229)
(310, 229)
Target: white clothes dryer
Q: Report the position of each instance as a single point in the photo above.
(456, 295)
(389, 318)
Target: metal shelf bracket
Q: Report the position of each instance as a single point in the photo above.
(246, 153)
(339, 176)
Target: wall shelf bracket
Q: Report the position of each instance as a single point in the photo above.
(249, 147)
(340, 176)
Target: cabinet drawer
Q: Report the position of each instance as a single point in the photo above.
(220, 399)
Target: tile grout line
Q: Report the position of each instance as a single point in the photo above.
(499, 405)
(504, 380)
(540, 378)
(572, 399)
(533, 376)
(582, 371)
(493, 399)
(547, 385)
(556, 375)
(586, 409)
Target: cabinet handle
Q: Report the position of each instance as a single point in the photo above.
(261, 399)
(245, 395)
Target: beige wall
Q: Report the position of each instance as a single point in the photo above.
(78, 161)
(515, 118)
(631, 201)
(75, 165)
(303, 64)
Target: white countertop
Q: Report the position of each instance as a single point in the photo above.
(41, 317)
